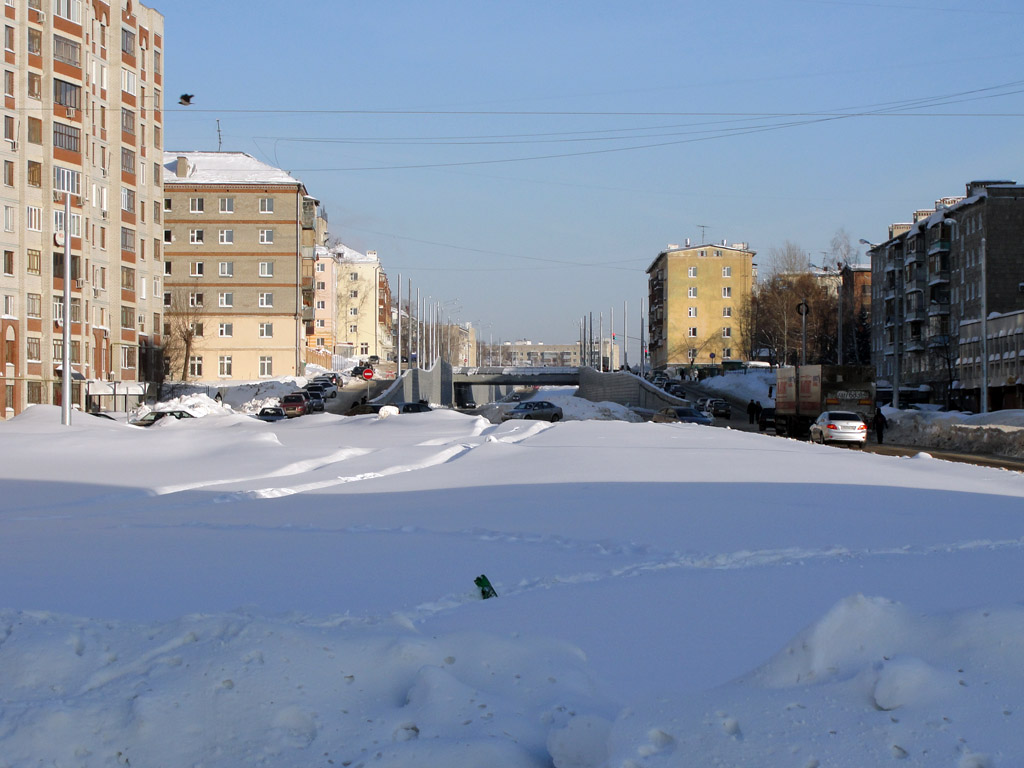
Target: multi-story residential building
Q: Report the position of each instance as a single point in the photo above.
(352, 313)
(83, 122)
(962, 262)
(239, 247)
(540, 355)
(696, 294)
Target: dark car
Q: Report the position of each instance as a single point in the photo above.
(682, 414)
(358, 371)
(359, 409)
(153, 417)
(766, 420)
(537, 410)
(271, 413)
(317, 404)
(295, 404)
(413, 407)
(719, 407)
(329, 388)
(331, 376)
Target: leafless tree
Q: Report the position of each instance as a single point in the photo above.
(184, 326)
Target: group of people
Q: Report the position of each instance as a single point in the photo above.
(754, 411)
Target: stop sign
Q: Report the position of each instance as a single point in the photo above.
(368, 373)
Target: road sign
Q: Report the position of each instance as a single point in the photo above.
(368, 373)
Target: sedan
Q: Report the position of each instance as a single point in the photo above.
(153, 417)
(271, 413)
(538, 410)
(328, 389)
(839, 427)
(719, 407)
(681, 414)
(317, 404)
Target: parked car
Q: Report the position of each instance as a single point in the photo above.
(331, 376)
(675, 388)
(682, 414)
(358, 370)
(271, 413)
(153, 417)
(767, 419)
(295, 404)
(360, 409)
(538, 410)
(719, 407)
(318, 389)
(317, 404)
(839, 427)
(702, 403)
(329, 388)
(413, 407)
(363, 408)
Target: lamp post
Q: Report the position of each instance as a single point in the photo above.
(803, 309)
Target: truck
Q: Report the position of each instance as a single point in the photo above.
(803, 392)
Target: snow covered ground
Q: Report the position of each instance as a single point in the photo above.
(224, 592)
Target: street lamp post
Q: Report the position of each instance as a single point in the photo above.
(803, 309)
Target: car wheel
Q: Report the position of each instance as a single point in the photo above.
(555, 417)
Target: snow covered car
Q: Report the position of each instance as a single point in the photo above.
(295, 404)
(271, 413)
(839, 427)
(538, 410)
(681, 414)
(153, 417)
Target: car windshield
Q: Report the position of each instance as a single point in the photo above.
(686, 412)
(843, 416)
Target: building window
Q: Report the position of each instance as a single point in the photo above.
(34, 174)
(266, 269)
(128, 42)
(364, 348)
(68, 9)
(167, 298)
(353, 329)
(8, 218)
(353, 294)
(266, 236)
(195, 299)
(320, 267)
(127, 237)
(225, 300)
(127, 318)
(321, 304)
(33, 305)
(321, 285)
(128, 121)
(35, 131)
(726, 332)
(727, 292)
(226, 330)
(692, 353)
(8, 262)
(32, 349)
(67, 94)
(67, 51)
(727, 352)
(691, 312)
(197, 329)
(66, 180)
(66, 137)
(128, 200)
(726, 311)
(266, 330)
(353, 275)
(34, 261)
(726, 271)
(321, 323)
(266, 299)
(196, 269)
(226, 237)
(226, 269)
(35, 85)
(128, 279)
(195, 236)
(9, 173)
(128, 162)
(128, 81)
(692, 291)
(224, 365)
(266, 205)
(691, 332)
(195, 205)
(266, 365)
(35, 41)
(691, 272)
(195, 366)
(227, 205)
(167, 204)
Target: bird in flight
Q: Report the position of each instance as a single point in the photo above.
(186, 99)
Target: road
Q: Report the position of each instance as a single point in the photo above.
(354, 391)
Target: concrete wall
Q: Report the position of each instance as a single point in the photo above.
(623, 388)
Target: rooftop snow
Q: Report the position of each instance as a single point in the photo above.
(223, 168)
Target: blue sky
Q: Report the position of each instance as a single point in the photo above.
(525, 161)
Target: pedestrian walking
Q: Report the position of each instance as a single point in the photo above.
(757, 411)
(879, 422)
(751, 408)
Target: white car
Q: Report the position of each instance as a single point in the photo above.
(839, 427)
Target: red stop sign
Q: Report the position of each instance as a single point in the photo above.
(368, 373)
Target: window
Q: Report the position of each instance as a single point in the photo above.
(127, 317)
(66, 137)
(266, 205)
(127, 237)
(34, 174)
(226, 269)
(726, 271)
(68, 9)
(195, 366)
(128, 81)
(35, 41)
(35, 130)
(128, 41)
(8, 262)
(353, 329)
(195, 236)
(67, 94)
(226, 330)
(195, 205)
(266, 269)
(167, 204)
(8, 218)
(364, 348)
(127, 279)
(266, 330)
(321, 267)
(266, 299)
(226, 299)
(32, 350)
(727, 352)
(321, 323)
(128, 200)
(226, 237)
(353, 294)
(692, 292)
(691, 272)
(67, 180)
(9, 38)
(726, 332)
(227, 205)
(321, 285)
(266, 236)
(727, 292)
(128, 162)
(266, 365)
(692, 353)
(195, 299)
(353, 311)
(691, 332)
(33, 305)
(127, 121)
(353, 275)
(197, 329)
(224, 365)
(156, 61)
(9, 173)
(726, 311)
(196, 269)
(67, 51)
(33, 261)
(691, 312)
(35, 85)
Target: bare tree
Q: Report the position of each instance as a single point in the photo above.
(185, 319)
(789, 259)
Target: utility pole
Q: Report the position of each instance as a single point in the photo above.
(625, 334)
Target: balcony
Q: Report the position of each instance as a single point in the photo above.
(939, 277)
(937, 309)
(939, 246)
(915, 345)
(916, 315)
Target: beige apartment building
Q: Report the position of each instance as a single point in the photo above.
(239, 247)
(696, 294)
(83, 121)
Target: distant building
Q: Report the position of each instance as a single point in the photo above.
(353, 315)
(604, 354)
(696, 294)
(239, 248)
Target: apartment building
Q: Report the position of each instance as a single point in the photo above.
(695, 295)
(239, 241)
(83, 122)
(947, 272)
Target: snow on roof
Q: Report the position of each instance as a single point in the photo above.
(342, 252)
(223, 168)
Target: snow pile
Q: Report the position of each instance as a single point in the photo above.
(745, 385)
(198, 404)
(1000, 433)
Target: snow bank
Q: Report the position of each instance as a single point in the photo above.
(751, 384)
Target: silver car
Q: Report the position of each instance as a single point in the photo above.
(540, 410)
(839, 427)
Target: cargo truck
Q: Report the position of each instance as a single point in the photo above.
(802, 392)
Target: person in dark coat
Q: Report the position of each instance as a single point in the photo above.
(879, 422)
(751, 408)
(757, 411)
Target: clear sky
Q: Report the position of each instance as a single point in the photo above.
(525, 161)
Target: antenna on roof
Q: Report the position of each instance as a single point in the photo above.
(702, 228)
(218, 135)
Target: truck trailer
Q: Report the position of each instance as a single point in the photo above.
(803, 392)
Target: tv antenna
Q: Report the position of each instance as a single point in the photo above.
(702, 228)
(218, 136)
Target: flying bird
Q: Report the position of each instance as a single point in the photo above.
(186, 99)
